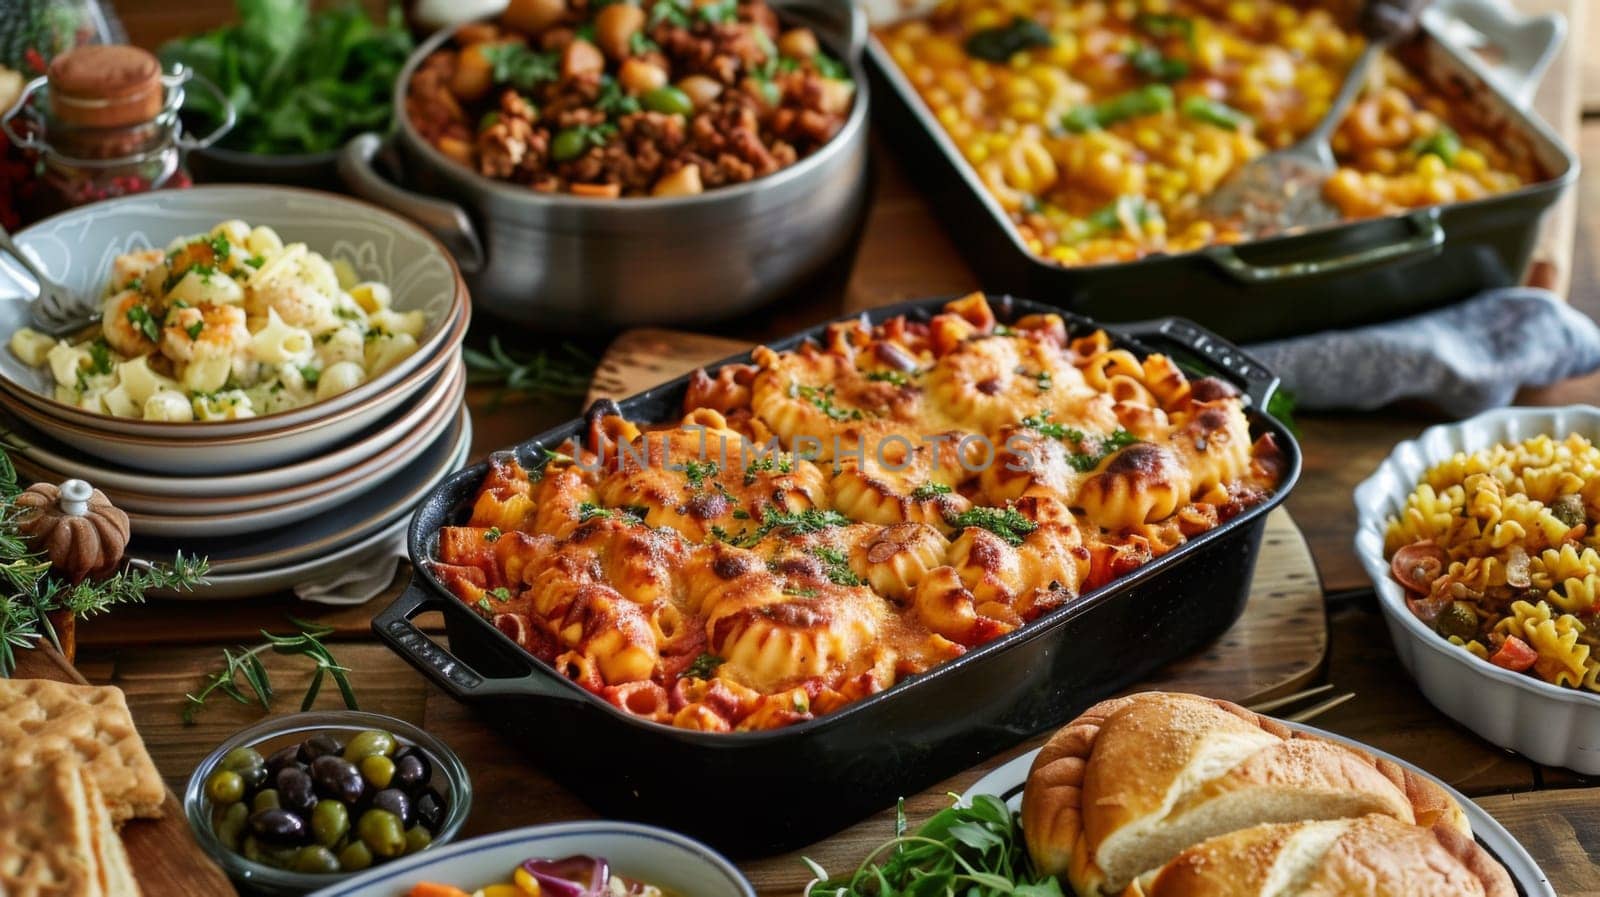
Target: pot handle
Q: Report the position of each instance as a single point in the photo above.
(1252, 377)
(393, 626)
(1427, 240)
(1512, 48)
(443, 219)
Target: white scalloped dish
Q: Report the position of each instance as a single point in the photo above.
(1549, 724)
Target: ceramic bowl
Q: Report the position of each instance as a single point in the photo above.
(662, 858)
(388, 448)
(77, 247)
(1549, 724)
(449, 778)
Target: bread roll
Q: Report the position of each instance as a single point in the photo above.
(1373, 856)
(1135, 780)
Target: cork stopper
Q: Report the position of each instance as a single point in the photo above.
(101, 86)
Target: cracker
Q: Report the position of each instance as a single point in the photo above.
(46, 838)
(42, 719)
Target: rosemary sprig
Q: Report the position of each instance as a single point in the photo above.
(244, 679)
(564, 373)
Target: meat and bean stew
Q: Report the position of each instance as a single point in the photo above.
(630, 97)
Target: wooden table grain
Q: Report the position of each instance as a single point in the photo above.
(164, 648)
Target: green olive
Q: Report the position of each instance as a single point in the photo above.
(315, 858)
(377, 770)
(417, 838)
(229, 824)
(225, 787)
(330, 822)
(568, 144)
(668, 99)
(382, 832)
(371, 743)
(258, 852)
(355, 857)
(1460, 619)
(248, 763)
(265, 799)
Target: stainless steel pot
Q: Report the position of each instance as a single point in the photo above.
(563, 261)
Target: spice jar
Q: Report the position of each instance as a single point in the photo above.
(104, 122)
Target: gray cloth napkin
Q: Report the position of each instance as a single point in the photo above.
(1465, 358)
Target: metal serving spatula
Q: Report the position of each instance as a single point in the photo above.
(1281, 192)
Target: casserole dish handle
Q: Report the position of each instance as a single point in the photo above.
(1251, 376)
(1513, 49)
(393, 626)
(447, 221)
(1428, 239)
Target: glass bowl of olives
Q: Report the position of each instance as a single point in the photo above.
(288, 806)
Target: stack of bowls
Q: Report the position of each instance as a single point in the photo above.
(272, 501)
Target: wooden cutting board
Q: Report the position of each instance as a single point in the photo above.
(165, 857)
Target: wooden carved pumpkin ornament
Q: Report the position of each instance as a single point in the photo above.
(79, 531)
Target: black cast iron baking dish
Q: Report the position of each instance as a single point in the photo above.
(762, 792)
(1349, 274)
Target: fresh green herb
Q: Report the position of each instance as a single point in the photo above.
(640, 44)
(99, 357)
(255, 261)
(1120, 214)
(767, 464)
(1153, 64)
(1281, 406)
(703, 667)
(1150, 99)
(300, 81)
(719, 12)
(562, 374)
(698, 471)
(1003, 330)
(976, 850)
(492, 534)
(740, 514)
(828, 67)
(500, 593)
(1007, 523)
(1444, 143)
(1164, 26)
(589, 511)
(136, 284)
(195, 329)
(822, 399)
(999, 44)
(310, 374)
(1045, 427)
(1044, 381)
(483, 605)
(586, 32)
(800, 591)
(836, 565)
(671, 12)
(521, 67)
(1090, 450)
(930, 490)
(1205, 109)
(145, 323)
(246, 664)
(220, 247)
(613, 100)
(797, 522)
(898, 378)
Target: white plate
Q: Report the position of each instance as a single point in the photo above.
(657, 856)
(1006, 782)
(440, 405)
(1551, 725)
(76, 248)
(291, 545)
(27, 442)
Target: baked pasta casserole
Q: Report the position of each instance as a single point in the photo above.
(1100, 126)
(826, 521)
(1497, 551)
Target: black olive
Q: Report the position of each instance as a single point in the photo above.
(395, 801)
(337, 778)
(411, 772)
(317, 745)
(277, 825)
(430, 809)
(286, 757)
(295, 791)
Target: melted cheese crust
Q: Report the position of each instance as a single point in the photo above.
(829, 520)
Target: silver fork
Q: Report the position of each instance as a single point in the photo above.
(1308, 713)
(56, 310)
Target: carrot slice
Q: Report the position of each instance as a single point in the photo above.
(1514, 655)
(433, 889)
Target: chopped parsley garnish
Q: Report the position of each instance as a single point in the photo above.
(1444, 143)
(898, 378)
(673, 12)
(930, 490)
(703, 667)
(828, 67)
(1000, 43)
(697, 471)
(640, 44)
(483, 604)
(768, 464)
(255, 261)
(1003, 330)
(1113, 217)
(220, 247)
(741, 514)
(1091, 450)
(719, 12)
(613, 100)
(589, 511)
(310, 374)
(145, 323)
(194, 329)
(797, 522)
(800, 592)
(492, 534)
(135, 284)
(1007, 523)
(823, 400)
(836, 565)
(1044, 381)
(522, 68)
(1153, 64)
(500, 593)
(99, 357)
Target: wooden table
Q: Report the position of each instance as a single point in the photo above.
(160, 651)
